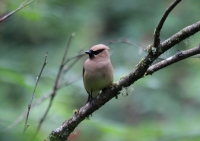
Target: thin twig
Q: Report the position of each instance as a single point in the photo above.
(77, 56)
(69, 83)
(25, 3)
(56, 84)
(124, 40)
(67, 68)
(160, 25)
(37, 80)
(67, 48)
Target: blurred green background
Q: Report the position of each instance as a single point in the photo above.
(162, 107)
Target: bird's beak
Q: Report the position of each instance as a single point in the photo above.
(88, 52)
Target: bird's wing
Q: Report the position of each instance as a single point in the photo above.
(83, 72)
(83, 78)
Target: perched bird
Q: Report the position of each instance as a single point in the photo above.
(97, 71)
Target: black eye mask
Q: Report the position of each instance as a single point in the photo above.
(91, 53)
(96, 52)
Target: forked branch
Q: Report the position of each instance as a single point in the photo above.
(160, 25)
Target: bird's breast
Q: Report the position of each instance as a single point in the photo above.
(97, 75)
(95, 81)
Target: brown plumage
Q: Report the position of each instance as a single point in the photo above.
(97, 71)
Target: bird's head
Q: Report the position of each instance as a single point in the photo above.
(98, 50)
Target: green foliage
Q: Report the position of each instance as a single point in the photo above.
(162, 107)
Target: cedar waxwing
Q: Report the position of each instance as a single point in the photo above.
(97, 71)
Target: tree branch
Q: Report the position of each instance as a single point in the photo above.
(180, 36)
(160, 25)
(173, 59)
(25, 3)
(138, 72)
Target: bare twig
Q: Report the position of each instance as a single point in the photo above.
(71, 65)
(160, 25)
(56, 84)
(173, 59)
(67, 48)
(69, 83)
(77, 56)
(37, 80)
(25, 3)
(124, 40)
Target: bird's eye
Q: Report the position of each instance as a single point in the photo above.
(97, 51)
